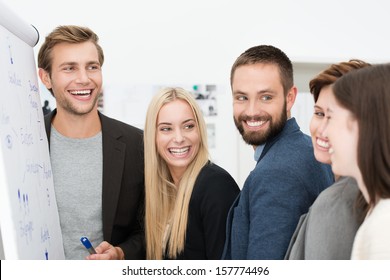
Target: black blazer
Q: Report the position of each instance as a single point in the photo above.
(123, 185)
(214, 192)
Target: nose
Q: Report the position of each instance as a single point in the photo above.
(82, 77)
(253, 108)
(323, 128)
(178, 137)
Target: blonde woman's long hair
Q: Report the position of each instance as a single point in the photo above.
(166, 204)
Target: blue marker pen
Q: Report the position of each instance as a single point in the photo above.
(87, 245)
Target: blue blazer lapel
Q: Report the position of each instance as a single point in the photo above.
(291, 126)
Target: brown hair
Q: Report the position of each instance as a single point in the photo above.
(66, 34)
(268, 55)
(366, 93)
(331, 74)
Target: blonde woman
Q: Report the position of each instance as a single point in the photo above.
(187, 196)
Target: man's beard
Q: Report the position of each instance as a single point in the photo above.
(257, 138)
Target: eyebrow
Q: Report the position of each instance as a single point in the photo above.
(67, 63)
(189, 120)
(329, 110)
(168, 123)
(267, 90)
(93, 62)
(263, 91)
(72, 63)
(163, 123)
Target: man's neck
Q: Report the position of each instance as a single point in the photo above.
(77, 126)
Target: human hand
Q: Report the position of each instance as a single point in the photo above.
(105, 251)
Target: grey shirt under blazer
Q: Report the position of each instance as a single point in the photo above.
(123, 185)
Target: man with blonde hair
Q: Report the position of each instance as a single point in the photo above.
(97, 161)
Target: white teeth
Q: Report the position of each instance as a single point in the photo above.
(322, 143)
(179, 151)
(331, 151)
(253, 124)
(80, 92)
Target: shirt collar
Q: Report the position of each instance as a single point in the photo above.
(258, 151)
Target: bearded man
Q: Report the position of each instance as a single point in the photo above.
(287, 177)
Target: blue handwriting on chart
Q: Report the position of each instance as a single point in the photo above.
(10, 53)
(23, 202)
(32, 167)
(8, 141)
(46, 172)
(45, 236)
(33, 87)
(41, 128)
(26, 229)
(4, 117)
(26, 136)
(48, 196)
(33, 103)
(25, 224)
(14, 79)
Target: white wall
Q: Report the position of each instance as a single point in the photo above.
(187, 42)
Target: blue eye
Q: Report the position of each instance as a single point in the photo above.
(266, 97)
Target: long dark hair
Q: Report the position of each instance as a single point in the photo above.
(366, 93)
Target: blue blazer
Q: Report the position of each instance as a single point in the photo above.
(284, 184)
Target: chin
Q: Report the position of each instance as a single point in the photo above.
(336, 170)
(322, 157)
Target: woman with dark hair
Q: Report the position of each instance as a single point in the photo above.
(327, 231)
(358, 129)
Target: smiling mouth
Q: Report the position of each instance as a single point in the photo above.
(84, 92)
(322, 143)
(255, 123)
(179, 151)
